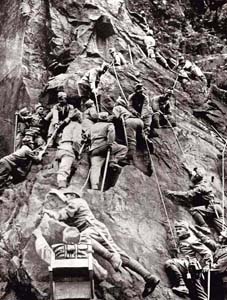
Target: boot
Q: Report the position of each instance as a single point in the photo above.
(153, 133)
(113, 258)
(181, 290)
(114, 166)
(151, 280)
(150, 285)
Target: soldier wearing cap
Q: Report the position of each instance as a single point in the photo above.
(161, 107)
(90, 116)
(138, 105)
(58, 114)
(21, 126)
(118, 58)
(88, 84)
(102, 140)
(69, 148)
(77, 213)
(133, 125)
(18, 162)
(201, 197)
(179, 269)
(187, 70)
(35, 124)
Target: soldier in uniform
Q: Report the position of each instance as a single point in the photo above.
(77, 213)
(102, 140)
(88, 84)
(185, 268)
(139, 107)
(21, 126)
(58, 114)
(90, 116)
(118, 58)
(69, 148)
(133, 125)
(161, 107)
(201, 197)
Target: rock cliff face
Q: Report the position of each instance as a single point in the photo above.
(47, 45)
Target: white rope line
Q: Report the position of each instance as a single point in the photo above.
(86, 181)
(160, 193)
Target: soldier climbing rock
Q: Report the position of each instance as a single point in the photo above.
(77, 213)
(138, 105)
(103, 140)
(185, 271)
(88, 84)
(118, 58)
(201, 197)
(17, 164)
(22, 126)
(132, 126)
(188, 70)
(161, 106)
(69, 148)
(57, 115)
(90, 116)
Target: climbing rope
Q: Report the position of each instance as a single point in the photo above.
(160, 193)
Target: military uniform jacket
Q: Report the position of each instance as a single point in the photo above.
(139, 104)
(20, 157)
(193, 247)
(78, 214)
(91, 78)
(102, 133)
(59, 113)
(158, 105)
(90, 114)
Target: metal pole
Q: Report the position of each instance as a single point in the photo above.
(208, 284)
(223, 184)
(96, 102)
(15, 131)
(105, 170)
(125, 133)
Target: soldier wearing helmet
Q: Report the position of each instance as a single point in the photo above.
(22, 126)
(77, 213)
(88, 84)
(201, 200)
(177, 269)
(90, 116)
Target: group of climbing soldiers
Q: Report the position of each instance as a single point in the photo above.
(73, 130)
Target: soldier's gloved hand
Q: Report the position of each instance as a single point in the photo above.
(206, 268)
(109, 147)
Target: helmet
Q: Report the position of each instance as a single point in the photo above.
(24, 111)
(183, 224)
(71, 235)
(62, 95)
(27, 140)
(104, 66)
(150, 32)
(89, 103)
(112, 50)
(181, 58)
(139, 87)
(197, 175)
(103, 116)
(38, 106)
(72, 190)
